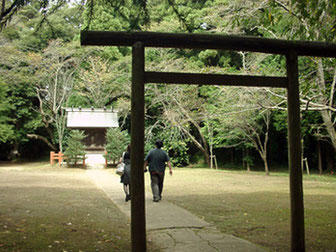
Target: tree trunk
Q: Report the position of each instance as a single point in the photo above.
(204, 149)
(248, 165)
(207, 158)
(264, 158)
(330, 160)
(330, 127)
(262, 150)
(206, 153)
(326, 115)
(204, 144)
(319, 154)
(14, 153)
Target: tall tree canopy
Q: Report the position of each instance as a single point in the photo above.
(43, 68)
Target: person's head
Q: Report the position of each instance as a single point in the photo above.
(158, 144)
(127, 153)
(128, 149)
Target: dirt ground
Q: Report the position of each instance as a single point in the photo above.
(45, 208)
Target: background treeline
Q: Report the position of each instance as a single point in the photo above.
(43, 69)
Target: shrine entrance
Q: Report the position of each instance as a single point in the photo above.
(290, 49)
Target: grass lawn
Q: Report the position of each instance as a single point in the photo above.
(45, 208)
(254, 206)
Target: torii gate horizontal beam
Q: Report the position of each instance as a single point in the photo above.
(216, 79)
(209, 41)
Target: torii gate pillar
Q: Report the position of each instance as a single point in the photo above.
(138, 215)
(294, 154)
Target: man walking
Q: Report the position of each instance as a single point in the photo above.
(157, 159)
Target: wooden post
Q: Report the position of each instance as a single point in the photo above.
(138, 220)
(294, 155)
(106, 162)
(52, 153)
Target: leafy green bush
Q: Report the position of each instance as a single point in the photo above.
(116, 143)
(176, 147)
(75, 149)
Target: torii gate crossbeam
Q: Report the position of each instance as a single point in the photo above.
(140, 40)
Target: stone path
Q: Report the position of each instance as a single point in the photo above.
(170, 227)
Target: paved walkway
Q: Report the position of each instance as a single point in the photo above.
(170, 227)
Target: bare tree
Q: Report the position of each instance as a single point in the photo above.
(284, 19)
(54, 72)
(242, 118)
(257, 134)
(181, 106)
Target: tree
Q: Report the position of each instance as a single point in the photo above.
(254, 131)
(6, 128)
(98, 82)
(179, 107)
(25, 64)
(10, 8)
(54, 79)
(17, 116)
(175, 144)
(116, 143)
(134, 13)
(239, 118)
(75, 149)
(301, 20)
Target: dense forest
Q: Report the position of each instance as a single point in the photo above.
(44, 69)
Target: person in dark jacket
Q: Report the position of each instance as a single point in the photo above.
(157, 159)
(126, 177)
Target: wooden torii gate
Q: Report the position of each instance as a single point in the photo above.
(290, 49)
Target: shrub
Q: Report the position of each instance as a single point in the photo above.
(75, 149)
(116, 143)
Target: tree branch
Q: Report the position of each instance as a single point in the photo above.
(331, 99)
(35, 136)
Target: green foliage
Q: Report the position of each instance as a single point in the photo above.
(75, 149)
(116, 143)
(248, 160)
(7, 133)
(176, 146)
(116, 15)
(174, 113)
(16, 114)
(77, 100)
(319, 16)
(32, 30)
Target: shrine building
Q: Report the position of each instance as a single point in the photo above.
(94, 122)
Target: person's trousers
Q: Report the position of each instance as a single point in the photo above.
(157, 184)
